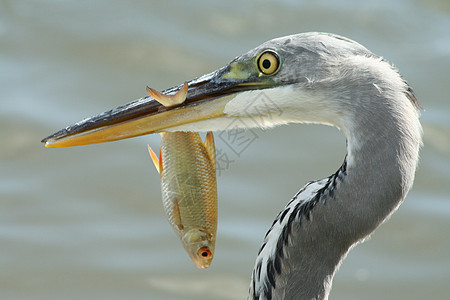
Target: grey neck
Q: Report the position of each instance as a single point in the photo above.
(313, 234)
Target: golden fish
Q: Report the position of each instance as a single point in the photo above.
(187, 167)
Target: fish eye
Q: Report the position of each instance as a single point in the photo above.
(268, 62)
(204, 252)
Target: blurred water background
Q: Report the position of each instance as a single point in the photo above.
(87, 222)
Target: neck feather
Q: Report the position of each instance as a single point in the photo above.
(313, 233)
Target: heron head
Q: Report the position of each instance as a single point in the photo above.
(272, 84)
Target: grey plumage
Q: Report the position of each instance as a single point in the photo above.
(318, 78)
(371, 104)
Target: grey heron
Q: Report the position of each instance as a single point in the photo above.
(309, 78)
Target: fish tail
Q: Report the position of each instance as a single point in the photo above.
(169, 101)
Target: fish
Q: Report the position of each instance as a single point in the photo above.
(187, 168)
(172, 100)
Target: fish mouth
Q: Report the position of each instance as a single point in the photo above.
(199, 245)
(206, 99)
(200, 260)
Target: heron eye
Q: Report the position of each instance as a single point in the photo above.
(268, 62)
(204, 252)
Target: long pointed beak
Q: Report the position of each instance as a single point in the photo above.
(206, 99)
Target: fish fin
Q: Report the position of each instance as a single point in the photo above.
(210, 147)
(160, 161)
(155, 159)
(177, 215)
(169, 100)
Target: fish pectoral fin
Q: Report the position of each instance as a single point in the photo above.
(177, 215)
(210, 147)
(171, 100)
(156, 161)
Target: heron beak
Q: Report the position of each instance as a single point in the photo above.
(206, 99)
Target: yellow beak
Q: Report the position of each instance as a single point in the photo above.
(206, 99)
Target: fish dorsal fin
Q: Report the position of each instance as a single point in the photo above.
(210, 147)
(156, 161)
(160, 162)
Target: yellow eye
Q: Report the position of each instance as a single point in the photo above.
(204, 252)
(268, 62)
